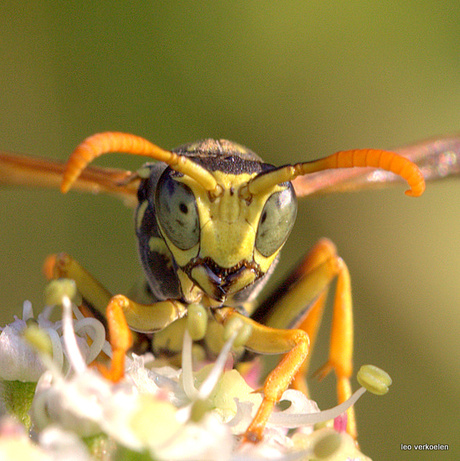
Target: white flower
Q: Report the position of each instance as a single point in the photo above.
(172, 414)
(328, 444)
(19, 361)
(16, 444)
(63, 445)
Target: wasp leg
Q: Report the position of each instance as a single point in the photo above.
(268, 340)
(121, 340)
(121, 312)
(310, 324)
(299, 303)
(145, 318)
(63, 266)
(341, 343)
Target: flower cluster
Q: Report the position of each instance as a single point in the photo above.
(154, 413)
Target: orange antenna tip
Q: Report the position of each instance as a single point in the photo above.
(374, 158)
(385, 160)
(104, 143)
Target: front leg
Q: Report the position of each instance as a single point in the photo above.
(266, 340)
(144, 318)
(121, 313)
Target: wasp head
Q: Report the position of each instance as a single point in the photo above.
(223, 240)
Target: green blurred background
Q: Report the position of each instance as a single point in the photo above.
(292, 80)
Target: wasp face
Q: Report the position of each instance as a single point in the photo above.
(222, 243)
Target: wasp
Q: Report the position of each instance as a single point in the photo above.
(211, 219)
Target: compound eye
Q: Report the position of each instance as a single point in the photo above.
(276, 221)
(177, 212)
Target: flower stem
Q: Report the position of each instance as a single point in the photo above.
(17, 397)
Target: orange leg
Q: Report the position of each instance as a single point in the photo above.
(122, 314)
(300, 304)
(341, 344)
(268, 340)
(145, 318)
(121, 339)
(310, 325)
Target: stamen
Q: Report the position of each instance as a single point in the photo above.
(57, 352)
(211, 380)
(187, 367)
(75, 358)
(197, 321)
(39, 410)
(34, 337)
(374, 379)
(96, 331)
(76, 311)
(299, 419)
(243, 413)
(46, 312)
(57, 289)
(27, 311)
(38, 338)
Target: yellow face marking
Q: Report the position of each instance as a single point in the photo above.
(182, 257)
(201, 276)
(157, 245)
(140, 213)
(191, 292)
(245, 278)
(228, 230)
(228, 223)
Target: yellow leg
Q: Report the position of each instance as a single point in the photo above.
(300, 304)
(122, 314)
(145, 318)
(268, 340)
